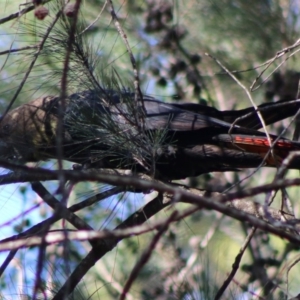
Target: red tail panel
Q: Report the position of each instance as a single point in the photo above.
(260, 145)
(263, 142)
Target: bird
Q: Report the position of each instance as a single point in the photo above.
(107, 128)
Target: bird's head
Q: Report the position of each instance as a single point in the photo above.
(25, 129)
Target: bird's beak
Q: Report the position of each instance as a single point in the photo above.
(5, 152)
(8, 152)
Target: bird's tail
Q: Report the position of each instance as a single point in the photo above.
(273, 153)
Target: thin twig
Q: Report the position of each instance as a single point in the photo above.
(248, 94)
(36, 55)
(270, 61)
(63, 95)
(39, 268)
(42, 227)
(138, 183)
(97, 18)
(20, 13)
(139, 217)
(146, 256)
(269, 151)
(288, 271)
(138, 93)
(296, 134)
(235, 265)
(59, 208)
(20, 49)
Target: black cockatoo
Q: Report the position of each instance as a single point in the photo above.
(108, 129)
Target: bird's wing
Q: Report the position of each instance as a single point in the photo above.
(160, 115)
(248, 117)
